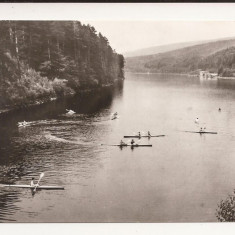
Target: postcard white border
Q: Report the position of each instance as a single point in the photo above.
(118, 11)
(130, 12)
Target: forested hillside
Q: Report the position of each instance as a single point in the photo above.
(44, 59)
(163, 48)
(214, 56)
(222, 62)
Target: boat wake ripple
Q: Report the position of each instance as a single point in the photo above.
(59, 139)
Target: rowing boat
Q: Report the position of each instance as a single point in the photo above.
(131, 145)
(21, 124)
(146, 136)
(70, 112)
(202, 132)
(33, 187)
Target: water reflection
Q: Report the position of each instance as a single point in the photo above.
(226, 84)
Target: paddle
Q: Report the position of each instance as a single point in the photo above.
(41, 175)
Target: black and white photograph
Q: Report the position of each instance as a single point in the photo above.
(117, 113)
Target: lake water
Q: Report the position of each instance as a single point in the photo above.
(182, 178)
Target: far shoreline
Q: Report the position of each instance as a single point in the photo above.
(181, 74)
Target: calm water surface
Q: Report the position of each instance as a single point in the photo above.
(182, 178)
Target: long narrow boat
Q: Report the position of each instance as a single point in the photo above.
(23, 124)
(145, 136)
(131, 145)
(202, 132)
(33, 187)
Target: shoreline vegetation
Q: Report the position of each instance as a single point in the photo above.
(105, 88)
(42, 61)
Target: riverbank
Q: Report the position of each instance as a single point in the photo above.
(182, 74)
(107, 87)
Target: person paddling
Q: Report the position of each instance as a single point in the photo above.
(149, 135)
(139, 134)
(122, 143)
(132, 142)
(32, 182)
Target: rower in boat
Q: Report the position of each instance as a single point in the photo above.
(114, 116)
(139, 134)
(132, 141)
(197, 120)
(32, 183)
(24, 123)
(202, 129)
(149, 135)
(122, 143)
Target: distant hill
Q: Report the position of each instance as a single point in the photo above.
(168, 47)
(186, 60)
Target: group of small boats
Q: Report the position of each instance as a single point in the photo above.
(24, 123)
(122, 144)
(202, 130)
(132, 143)
(33, 186)
(148, 135)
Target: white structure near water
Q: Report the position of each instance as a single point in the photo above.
(206, 75)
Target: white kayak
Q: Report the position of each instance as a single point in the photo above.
(33, 187)
(70, 111)
(24, 123)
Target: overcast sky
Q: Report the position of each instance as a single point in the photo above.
(133, 26)
(132, 35)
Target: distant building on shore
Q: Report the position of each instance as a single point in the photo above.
(206, 75)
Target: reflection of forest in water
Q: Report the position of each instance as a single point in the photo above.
(226, 209)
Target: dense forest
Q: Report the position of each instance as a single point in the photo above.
(223, 62)
(41, 60)
(218, 56)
